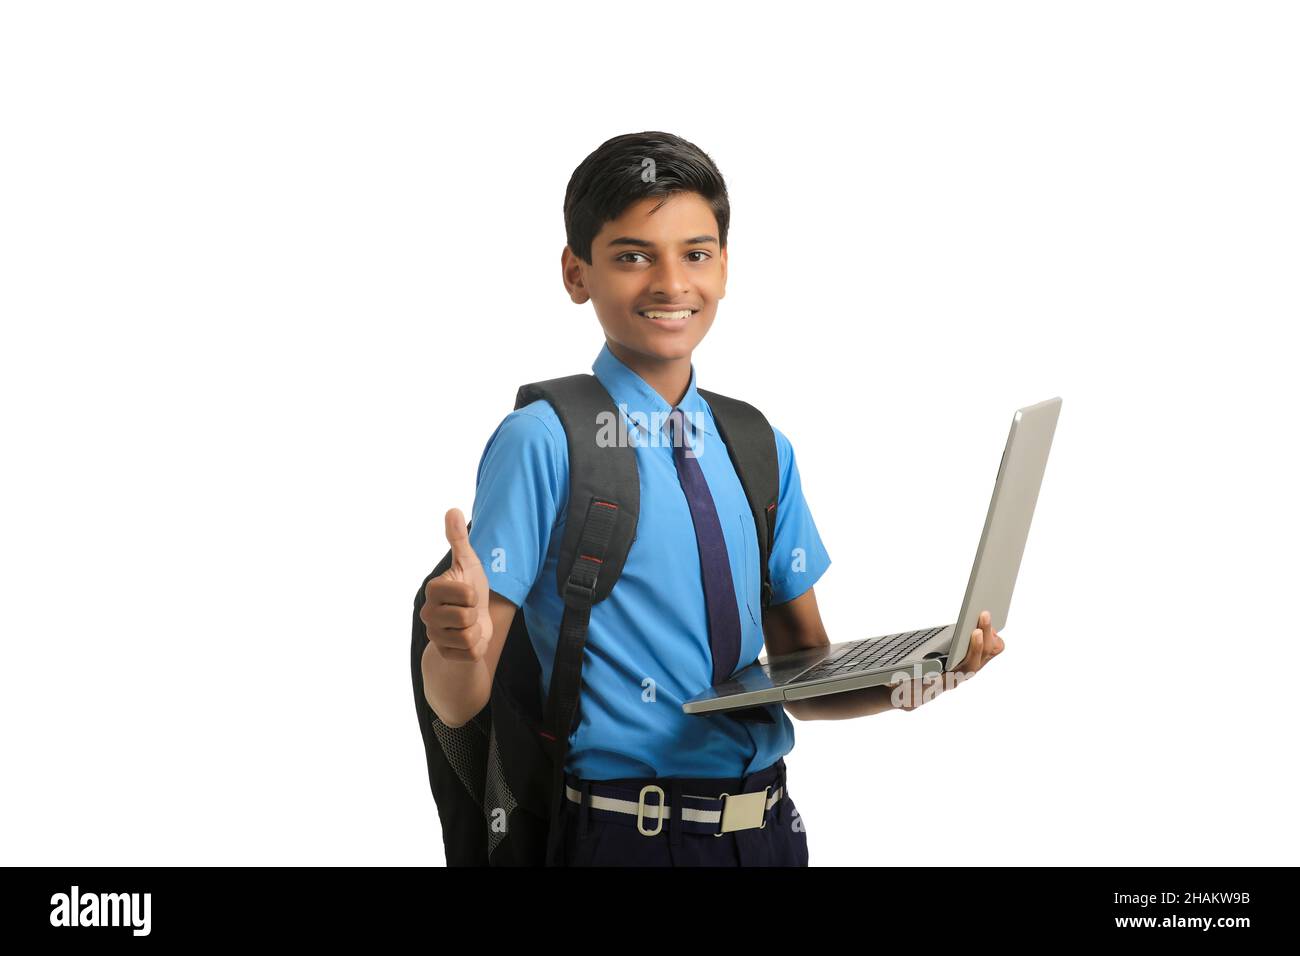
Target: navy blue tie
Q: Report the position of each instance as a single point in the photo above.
(719, 592)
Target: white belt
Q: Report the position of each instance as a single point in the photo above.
(739, 811)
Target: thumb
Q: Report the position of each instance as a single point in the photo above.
(463, 557)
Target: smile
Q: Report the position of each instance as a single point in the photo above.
(661, 315)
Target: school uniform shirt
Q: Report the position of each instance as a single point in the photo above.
(647, 645)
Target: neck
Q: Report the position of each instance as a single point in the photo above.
(669, 377)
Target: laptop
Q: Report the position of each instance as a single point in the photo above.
(849, 665)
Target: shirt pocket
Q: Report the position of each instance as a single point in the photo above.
(748, 549)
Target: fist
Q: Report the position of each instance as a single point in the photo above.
(455, 612)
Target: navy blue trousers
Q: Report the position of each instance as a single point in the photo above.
(600, 838)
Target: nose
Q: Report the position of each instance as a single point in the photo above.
(669, 278)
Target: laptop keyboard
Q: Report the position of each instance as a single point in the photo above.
(869, 654)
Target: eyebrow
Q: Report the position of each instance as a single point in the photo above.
(644, 244)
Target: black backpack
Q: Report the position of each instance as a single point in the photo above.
(498, 780)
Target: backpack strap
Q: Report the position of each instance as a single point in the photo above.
(604, 502)
(584, 409)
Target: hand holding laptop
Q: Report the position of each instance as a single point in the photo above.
(979, 653)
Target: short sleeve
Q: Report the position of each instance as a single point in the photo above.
(798, 556)
(516, 502)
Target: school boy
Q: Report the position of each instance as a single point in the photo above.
(646, 218)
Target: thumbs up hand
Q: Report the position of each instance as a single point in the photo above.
(455, 612)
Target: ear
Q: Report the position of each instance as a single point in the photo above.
(723, 256)
(573, 277)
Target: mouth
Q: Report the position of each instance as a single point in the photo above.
(668, 318)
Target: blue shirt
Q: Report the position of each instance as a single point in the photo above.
(647, 645)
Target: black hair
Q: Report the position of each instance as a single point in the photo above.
(617, 174)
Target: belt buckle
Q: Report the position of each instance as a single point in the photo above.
(744, 811)
(640, 810)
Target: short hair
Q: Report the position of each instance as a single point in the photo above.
(614, 176)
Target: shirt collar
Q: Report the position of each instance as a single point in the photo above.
(631, 393)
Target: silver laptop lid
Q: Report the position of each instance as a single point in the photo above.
(1006, 529)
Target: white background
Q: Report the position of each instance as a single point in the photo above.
(271, 273)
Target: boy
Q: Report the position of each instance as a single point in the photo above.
(646, 218)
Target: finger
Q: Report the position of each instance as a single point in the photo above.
(992, 643)
(446, 624)
(460, 644)
(453, 617)
(442, 590)
(975, 653)
(462, 555)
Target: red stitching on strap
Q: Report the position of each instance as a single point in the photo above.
(590, 558)
(605, 504)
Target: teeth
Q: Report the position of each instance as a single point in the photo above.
(655, 314)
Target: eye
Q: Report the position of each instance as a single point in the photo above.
(699, 252)
(623, 258)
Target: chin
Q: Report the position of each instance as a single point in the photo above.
(667, 350)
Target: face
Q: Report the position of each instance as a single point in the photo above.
(665, 260)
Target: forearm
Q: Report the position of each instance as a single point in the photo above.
(456, 690)
(863, 702)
